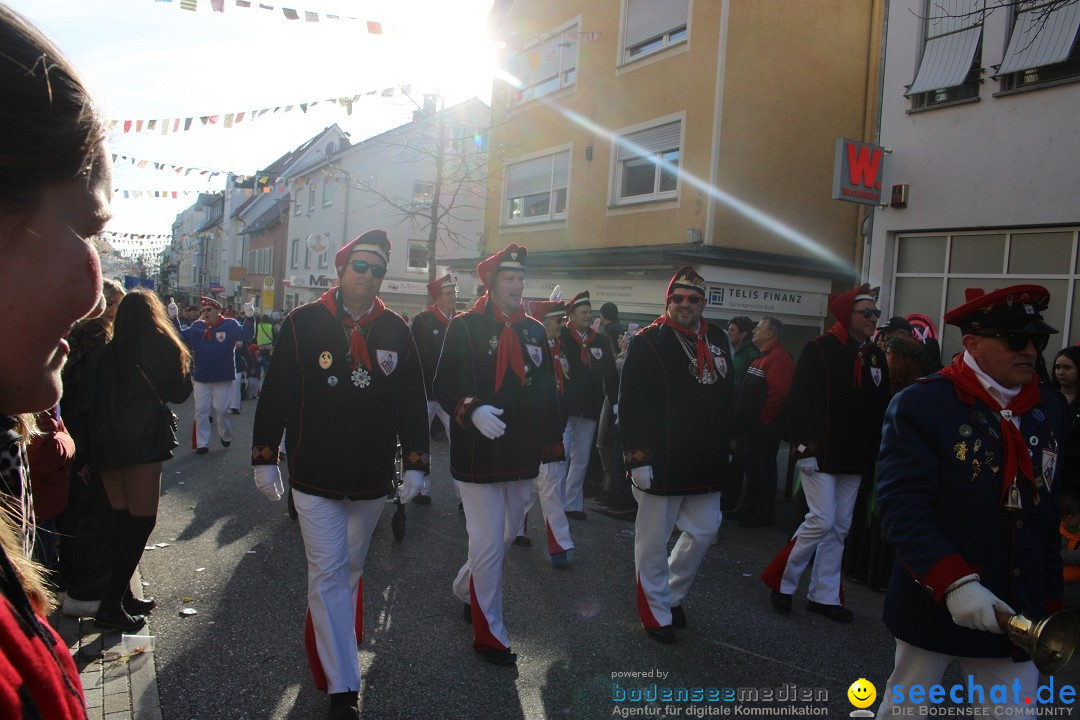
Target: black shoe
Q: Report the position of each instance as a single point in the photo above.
(756, 520)
(234, 411)
(664, 634)
(343, 712)
(226, 443)
(522, 541)
(678, 617)
(781, 602)
(838, 613)
(577, 514)
(116, 619)
(498, 657)
(202, 451)
(467, 613)
(739, 513)
(422, 499)
(134, 606)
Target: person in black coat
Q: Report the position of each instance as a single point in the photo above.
(131, 432)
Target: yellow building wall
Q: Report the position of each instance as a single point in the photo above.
(795, 79)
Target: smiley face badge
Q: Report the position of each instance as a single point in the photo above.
(862, 694)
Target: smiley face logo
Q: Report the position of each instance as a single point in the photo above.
(862, 693)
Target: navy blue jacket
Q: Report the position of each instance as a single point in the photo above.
(939, 488)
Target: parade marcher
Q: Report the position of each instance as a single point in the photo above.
(495, 379)
(429, 331)
(968, 492)
(344, 385)
(762, 399)
(838, 398)
(896, 326)
(592, 377)
(552, 313)
(740, 329)
(675, 397)
(254, 370)
(611, 487)
(212, 339)
(1065, 378)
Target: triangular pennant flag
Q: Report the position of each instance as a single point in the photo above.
(303, 107)
(290, 13)
(228, 120)
(187, 123)
(388, 92)
(311, 17)
(375, 28)
(218, 5)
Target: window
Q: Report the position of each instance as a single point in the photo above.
(647, 164)
(307, 257)
(653, 25)
(951, 64)
(324, 258)
(295, 252)
(548, 65)
(328, 192)
(418, 255)
(422, 193)
(298, 206)
(536, 189)
(311, 198)
(1044, 45)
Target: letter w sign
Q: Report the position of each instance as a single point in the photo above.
(858, 171)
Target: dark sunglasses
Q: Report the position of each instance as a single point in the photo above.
(868, 313)
(679, 298)
(1019, 343)
(362, 266)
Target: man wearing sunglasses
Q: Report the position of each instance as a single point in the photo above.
(675, 402)
(495, 379)
(838, 397)
(345, 385)
(967, 491)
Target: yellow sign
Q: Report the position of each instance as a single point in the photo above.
(267, 300)
(268, 282)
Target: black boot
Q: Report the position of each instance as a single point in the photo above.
(131, 534)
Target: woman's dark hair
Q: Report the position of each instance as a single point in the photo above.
(742, 322)
(1073, 353)
(141, 320)
(50, 129)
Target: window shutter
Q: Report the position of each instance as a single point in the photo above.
(952, 35)
(560, 174)
(650, 141)
(647, 19)
(1042, 35)
(529, 178)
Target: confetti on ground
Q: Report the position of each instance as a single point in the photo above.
(199, 569)
(161, 545)
(188, 611)
(250, 552)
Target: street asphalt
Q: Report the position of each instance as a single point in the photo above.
(237, 559)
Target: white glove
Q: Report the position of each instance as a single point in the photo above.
(972, 606)
(173, 310)
(486, 420)
(615, 409)
(268, 480)
(807, 465)
(412, 481)
(642, 476)
(249, 308)
(556, 293)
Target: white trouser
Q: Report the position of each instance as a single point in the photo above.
(914, 665)
(663, 581)
(831, 499)
(435, 409)
(216, 395)
(493, 513)
(253, 387)
(238, 393)
(546, 487)
(336, 537)
(578, 443)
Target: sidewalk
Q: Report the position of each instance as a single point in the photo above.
(117, 686)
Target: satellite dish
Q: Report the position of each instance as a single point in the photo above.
(316, 243)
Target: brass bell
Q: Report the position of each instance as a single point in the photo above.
(1012, 498)
(1050, 640)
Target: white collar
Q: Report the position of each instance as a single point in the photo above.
(999, 392)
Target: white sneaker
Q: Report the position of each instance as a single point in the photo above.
(79, 608)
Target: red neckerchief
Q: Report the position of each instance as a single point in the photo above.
(357, 346)
(586, 359)
(509, 352)
(556, 351)
(968, 389)
(704, 357)
(841, 333)
(210, 327)
(434, 309)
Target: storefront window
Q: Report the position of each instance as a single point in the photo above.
(977, 254)
(921, 255)
(1040, 253)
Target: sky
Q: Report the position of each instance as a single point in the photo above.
(149, 59)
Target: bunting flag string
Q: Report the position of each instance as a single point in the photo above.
(153, 165)
(516, 42)
(232, 119)
(374, 27)
(128, 194)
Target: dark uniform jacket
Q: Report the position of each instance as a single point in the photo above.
(465, 380)
(939, 490)
(341, 435)
(669, 420)
(428, 331)
(587, 385)
(837, 416)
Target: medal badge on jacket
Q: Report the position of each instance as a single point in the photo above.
(535, 354)
(387, 361)
(719, 359)
(220, 335)
(597, 353)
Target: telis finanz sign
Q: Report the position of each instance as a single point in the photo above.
(858, 170)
